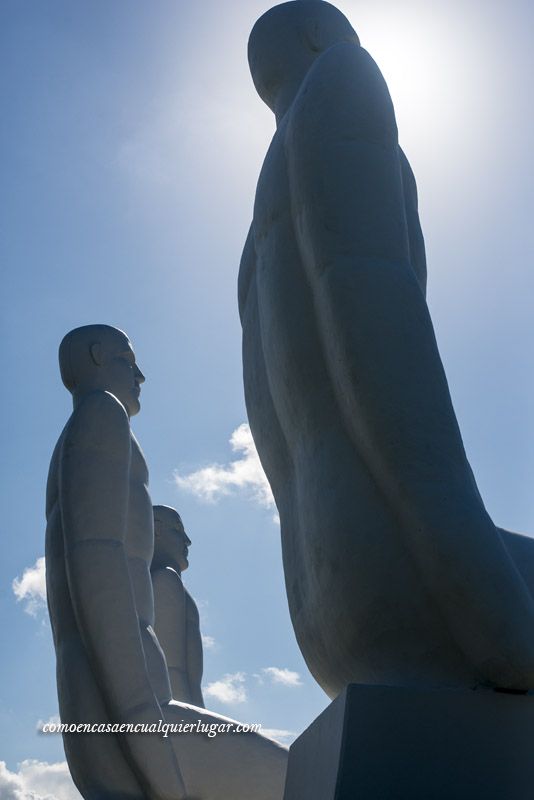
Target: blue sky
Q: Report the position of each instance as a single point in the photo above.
(132, 139)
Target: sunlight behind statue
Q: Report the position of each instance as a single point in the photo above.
(395, 573)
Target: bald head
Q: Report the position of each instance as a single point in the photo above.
(287, 39)
(100, 357)
(171, 543)
(75, 350)
(166, 515)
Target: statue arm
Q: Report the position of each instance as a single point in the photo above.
(416, 241)
(352, 225)
(170, 628)
(94, 487)
(246, 272)
(195, 656)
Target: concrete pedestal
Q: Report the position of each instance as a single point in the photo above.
(391, 743)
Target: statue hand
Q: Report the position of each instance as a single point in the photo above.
(153, 758)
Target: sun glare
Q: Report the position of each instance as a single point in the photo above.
(436, 71)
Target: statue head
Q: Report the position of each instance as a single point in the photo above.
(171, 542)
(100, 357)
(287, 39)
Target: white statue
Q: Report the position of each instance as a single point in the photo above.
(395, 573)
(176, 615)
(110, 666)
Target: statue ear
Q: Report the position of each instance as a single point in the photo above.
(97, 353)
(314, 35)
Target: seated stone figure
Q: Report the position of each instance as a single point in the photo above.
(110, 666)
(395, 572)
(176, 614)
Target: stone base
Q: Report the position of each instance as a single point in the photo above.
(392, 743)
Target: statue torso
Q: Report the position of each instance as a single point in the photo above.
(138, 548)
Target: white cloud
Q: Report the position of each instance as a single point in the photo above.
(208, 642)
(37, 780)
(285, 737)
(229, 689)
(31, 588)
(53, 720)
(245, 474)
(282, 675)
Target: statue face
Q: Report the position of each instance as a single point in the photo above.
(171, 542)
(123, 376)
(274, 53)
(181, 545)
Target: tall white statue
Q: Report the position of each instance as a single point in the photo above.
(176, 615)
(395, 573)
(110, 666)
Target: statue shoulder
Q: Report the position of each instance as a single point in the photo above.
(99, 420)
(167, 583)
(344, 90)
